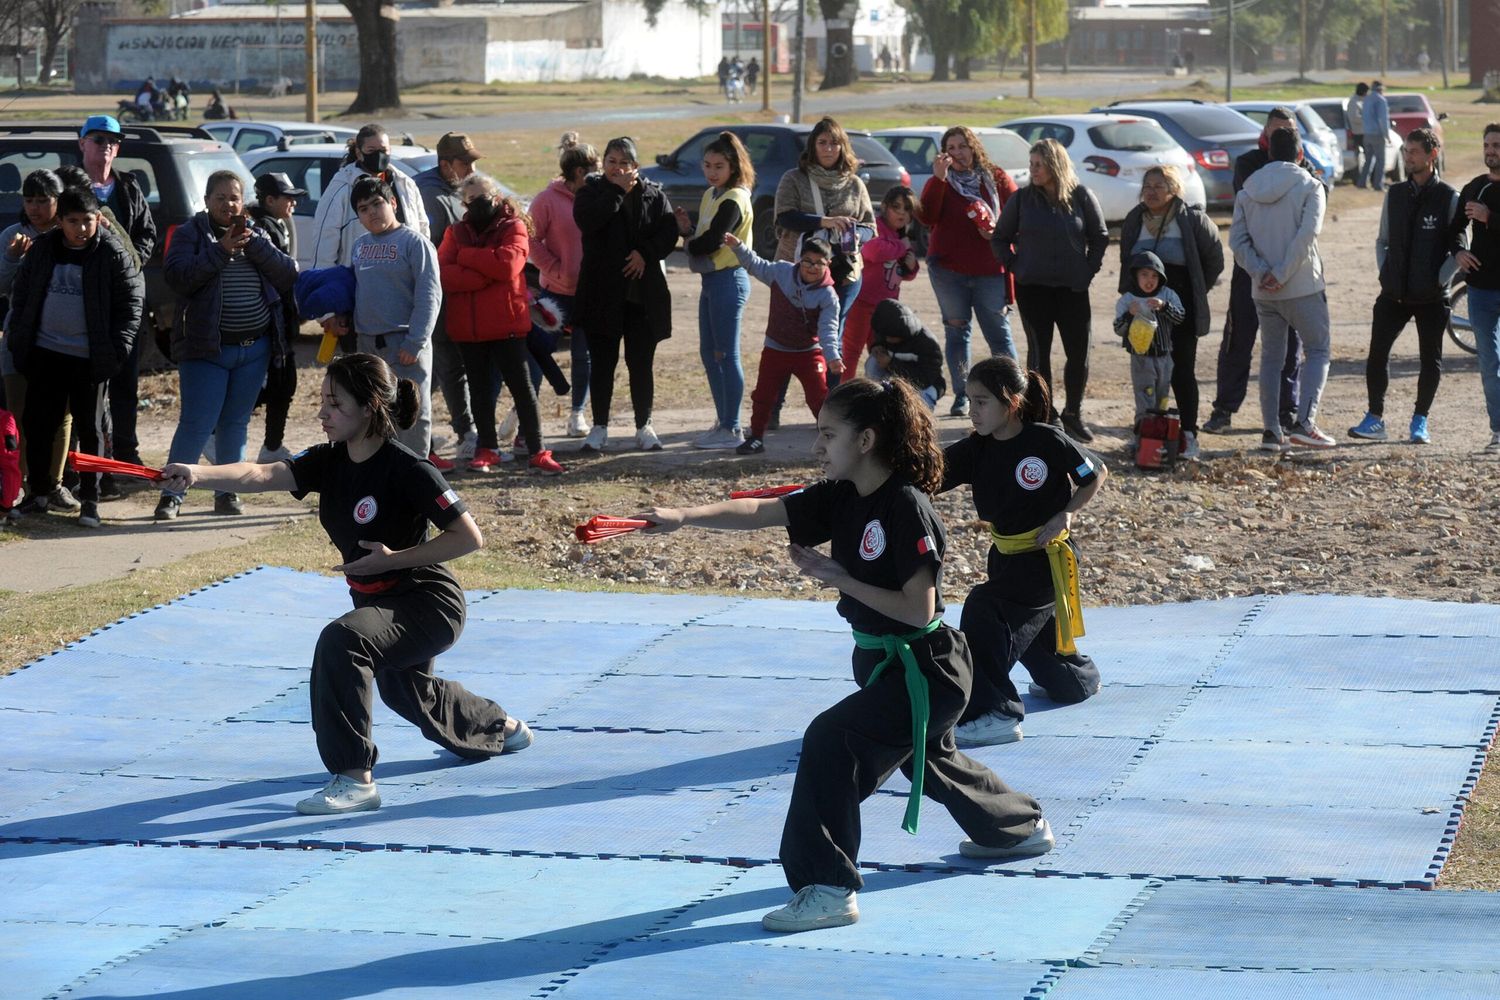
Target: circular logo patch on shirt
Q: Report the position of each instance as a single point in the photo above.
(1031, 473)
(364, 511)
(872, 543)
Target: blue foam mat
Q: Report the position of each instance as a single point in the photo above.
(1333, 716)
(81, 743)
(528, 606)
(800, 616)
(276, 591)
(1135, 712)
(1196, 618)
(1323, 614)
(1221, 984)
(1270, 926)
(1053, 767)
(716, 704)
(41, 959)
(1130, 654)
(131, 687)
(204, 635)
(640, 969)
(504, 649)
(22, 789)
(748, 651)
(1386, 663)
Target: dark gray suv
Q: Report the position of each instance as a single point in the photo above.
(1213, 135)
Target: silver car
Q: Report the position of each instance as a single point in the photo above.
(1331, 110)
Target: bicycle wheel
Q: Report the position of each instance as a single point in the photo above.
(1460, 330)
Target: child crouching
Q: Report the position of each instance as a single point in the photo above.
(901, 347)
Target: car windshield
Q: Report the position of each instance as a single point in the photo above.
(914, 152)
(1131, 137)
(1007, 150)
(1406, 104)
(1332, 114)
(201, 165)
(1200, 120)
(870, 152)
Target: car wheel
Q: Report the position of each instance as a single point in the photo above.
(764, 229)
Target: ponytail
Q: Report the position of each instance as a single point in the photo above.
(905, 438)
(369, 381)
(408, 402)
(1024, 394)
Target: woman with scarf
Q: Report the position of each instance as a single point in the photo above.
(961, 203)
(1187, 242)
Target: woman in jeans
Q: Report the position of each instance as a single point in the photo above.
(229, 278)
(1051, 236)
(557, 252)
(725, 208)
(1187, 242)
(960, 204)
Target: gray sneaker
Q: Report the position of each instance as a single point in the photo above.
(60, 499)
(340, 795)
(1040, 842)
(1493, 448)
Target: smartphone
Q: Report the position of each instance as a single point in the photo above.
(239, 225)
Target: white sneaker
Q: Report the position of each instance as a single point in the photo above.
(466, 447)
(1493, 448)
(271, 455)
(340, 795)
(1040, 842)
(708, 437)
(578, 424)
(732, 438)
(1191, 452)
(596, 439)
(509, 426)
(814, 907)
(990, 729)
(646, 439)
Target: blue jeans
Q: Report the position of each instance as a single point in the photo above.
(1484, 313)
(218, 395)
(961, 296)
(578, 351)
(721, 308)
(1372, 171)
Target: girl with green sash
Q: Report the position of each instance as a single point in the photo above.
(878, 449)
(1028, 479)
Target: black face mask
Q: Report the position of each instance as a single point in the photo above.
(479, 214)
(376, 162)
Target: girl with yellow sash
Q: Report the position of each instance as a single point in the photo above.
(1028, 480)
(879, 451)
(725, 209)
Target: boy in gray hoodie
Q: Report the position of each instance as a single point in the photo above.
(1277, 217)
(802, 330)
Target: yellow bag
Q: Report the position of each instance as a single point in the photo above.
(1142, 333)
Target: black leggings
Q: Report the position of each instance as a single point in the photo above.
(1389, 320)
(640, 355)
(1043, 307)
(57, 384)
(280, 388)
(1185, 349)
(487, 363)
(1002, 633)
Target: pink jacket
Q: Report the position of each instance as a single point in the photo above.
(557, 248)
(883, 271)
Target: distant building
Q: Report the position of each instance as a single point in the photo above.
(1140, 33)
(518, 42)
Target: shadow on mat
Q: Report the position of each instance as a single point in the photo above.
(498, 961)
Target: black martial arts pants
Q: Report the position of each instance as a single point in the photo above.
(1000, 633)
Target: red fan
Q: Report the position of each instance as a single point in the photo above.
(769, 491)
(599, 527)
(93, 463)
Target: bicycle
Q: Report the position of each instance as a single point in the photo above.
(1460, 329)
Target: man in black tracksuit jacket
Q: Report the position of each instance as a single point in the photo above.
(1421, 232)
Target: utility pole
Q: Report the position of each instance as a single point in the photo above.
(1229, 66)
(1302, 60)
(20, 76)
(1446, 7)
(1031, 50)
(310, 32)
(799, 68)
(1385, 37)
(765, 55)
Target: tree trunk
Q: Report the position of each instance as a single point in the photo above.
(375, 27)
(49, 55)
(940, 53)
(838, 59)
(962, 67)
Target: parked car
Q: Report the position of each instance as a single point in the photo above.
(773, 150)
(1409, 111)
(247, 135)
(1319, 144)
(172, 164)
(1213, 135)
(916, 146)
(1111, 152)
(309, 165)
(1331, 110)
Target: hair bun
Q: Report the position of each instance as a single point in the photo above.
(568, 141)
(407, 403)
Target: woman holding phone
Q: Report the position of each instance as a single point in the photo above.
(230, 280)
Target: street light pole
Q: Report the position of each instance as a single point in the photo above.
(765, 55)
(1229, 67)
(799, 70)
(310, 31)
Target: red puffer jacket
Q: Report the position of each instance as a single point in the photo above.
(482, 280)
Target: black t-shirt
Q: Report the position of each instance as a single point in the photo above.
(389, 497)
(1019, 485)
(1484, 239)
(882, 540)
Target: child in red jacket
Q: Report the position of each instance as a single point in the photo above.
(481, 263)
(889, 260)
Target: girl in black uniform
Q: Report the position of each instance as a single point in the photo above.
(877, 446)
(1028, 478)
(375, 499)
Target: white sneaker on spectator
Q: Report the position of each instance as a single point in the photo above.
(726, 439)
(708, 437)
(646, 439)
(1493, 448)
(1040, 842)
(340, 795)
(990, 729)
(814, 907)
(269, 455)
(1191, 452)
(1308, 435)
(509, 426)
(466, 446)
(597, 439)
(578, 424)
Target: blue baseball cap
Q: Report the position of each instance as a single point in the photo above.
(101, 123)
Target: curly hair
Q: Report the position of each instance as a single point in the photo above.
(981, 157)
(905, 438)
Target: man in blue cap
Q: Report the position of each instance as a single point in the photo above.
(99, 140)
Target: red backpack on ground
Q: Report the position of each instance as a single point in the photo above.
(1160, 432)
(10, 462)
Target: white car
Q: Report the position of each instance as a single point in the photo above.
(1331, 110)
(1111, 152)
(916, 146)
(247, 135)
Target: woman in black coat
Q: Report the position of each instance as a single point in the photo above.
(1188, 243)
(628, 230)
